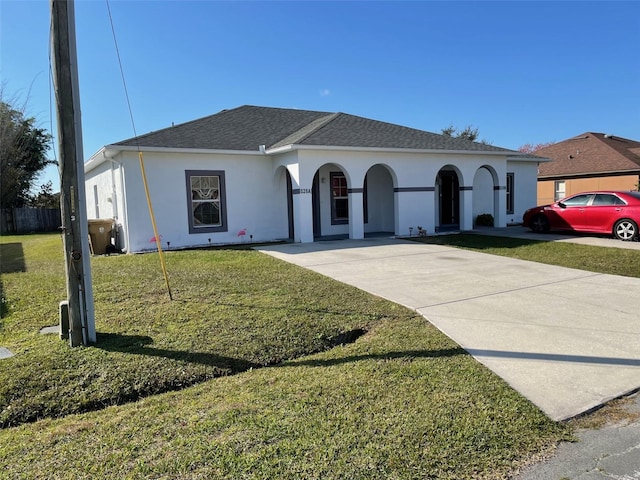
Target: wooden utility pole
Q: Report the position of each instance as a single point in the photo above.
(75, 228)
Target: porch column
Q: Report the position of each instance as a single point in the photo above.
(302, 215)
(356, 213)
(466, 208)
(500, 202)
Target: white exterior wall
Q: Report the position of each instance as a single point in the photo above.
(402, 192)
(255, 199)
(99, 181)
(105, 197)
(416, 196)
(525, 188)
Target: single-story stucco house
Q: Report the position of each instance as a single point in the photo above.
(265, 174)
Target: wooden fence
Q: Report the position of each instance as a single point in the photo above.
(30, 220)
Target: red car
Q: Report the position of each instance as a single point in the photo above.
(610, 212)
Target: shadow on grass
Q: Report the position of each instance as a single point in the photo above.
(4, 309)
(407, 355)
(143, 345)
(11, 261)
(12, 258)
(216, 366)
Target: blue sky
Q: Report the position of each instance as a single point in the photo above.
(519, 71)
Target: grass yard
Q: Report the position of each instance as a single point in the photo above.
(239, 377)
(232, 310)
(614, 261)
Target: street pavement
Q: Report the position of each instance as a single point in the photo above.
(566, 339)
(608, 452)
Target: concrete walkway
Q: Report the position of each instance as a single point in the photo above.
(568, 340)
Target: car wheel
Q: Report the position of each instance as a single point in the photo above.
(540, 224)
(625, 229)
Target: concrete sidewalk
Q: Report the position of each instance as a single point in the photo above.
(568, 340)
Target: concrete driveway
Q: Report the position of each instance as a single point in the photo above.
(568, 340)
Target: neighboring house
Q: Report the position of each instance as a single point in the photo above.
(264, 174)
(591, 161)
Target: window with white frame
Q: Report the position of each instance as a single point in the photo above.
(510, 192)
(560, 189)
(339, 199)
(206, 201)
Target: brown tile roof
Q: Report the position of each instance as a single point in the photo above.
(590, 154)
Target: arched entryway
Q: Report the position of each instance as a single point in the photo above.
(485, 187)
(284, 184)
(330, 202)
(448, 199)
(378, 200)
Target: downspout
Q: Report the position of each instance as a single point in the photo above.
(110, 155)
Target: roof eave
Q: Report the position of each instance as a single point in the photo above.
(142, 148)
(529, 158)
(510, 155)
(110, 151)
(95, 160)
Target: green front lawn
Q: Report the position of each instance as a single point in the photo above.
(239, 377)
(232, 310)
(614, 261)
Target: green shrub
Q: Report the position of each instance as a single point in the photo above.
(484, 220)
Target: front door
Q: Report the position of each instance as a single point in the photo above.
(315, 205)
(290, 206)
(449, 199)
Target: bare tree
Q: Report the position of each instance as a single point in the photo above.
(531, 148)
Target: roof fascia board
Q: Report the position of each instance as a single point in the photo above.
(95, 160)
(288, 148)
(529, 158)
(130, 148)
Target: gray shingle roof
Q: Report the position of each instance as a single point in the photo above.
(248, 127)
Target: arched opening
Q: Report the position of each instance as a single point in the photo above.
(283, 184)
(485, 184)
(378, 201)
(448, 199)
(330, 202)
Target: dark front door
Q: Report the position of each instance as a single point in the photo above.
(315, 205)
(449, 199)
(290, 207)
